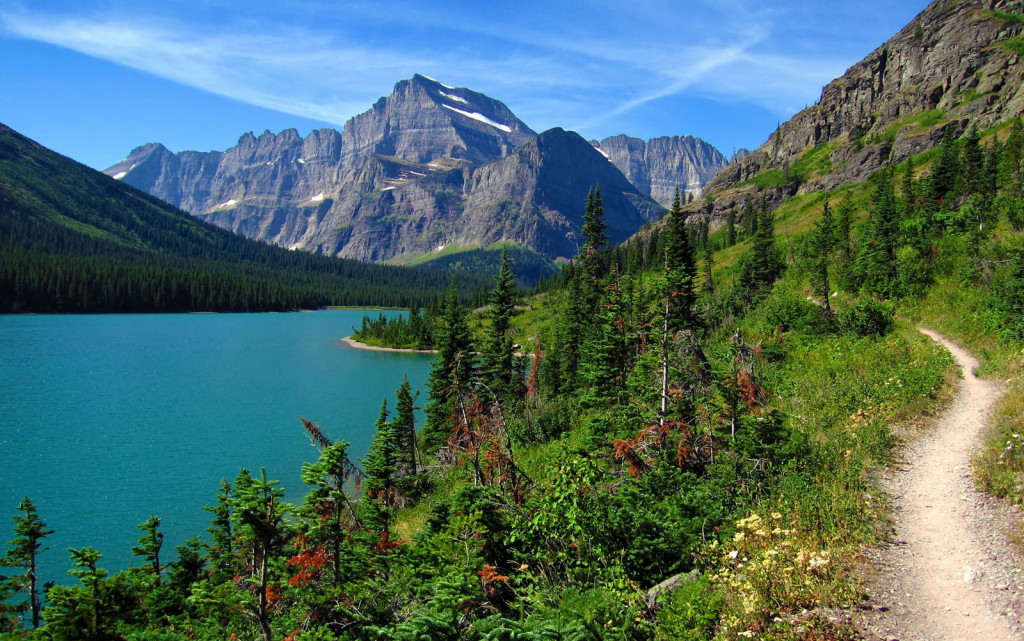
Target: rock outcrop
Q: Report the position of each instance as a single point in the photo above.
(657, 166)
(427, 167)
(956, 64)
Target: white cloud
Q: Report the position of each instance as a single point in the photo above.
(581, 74)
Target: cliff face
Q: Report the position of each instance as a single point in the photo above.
(426, 167)
(655, 167)
(952, 66)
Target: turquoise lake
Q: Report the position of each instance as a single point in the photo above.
(105, 420)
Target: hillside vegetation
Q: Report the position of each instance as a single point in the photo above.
(74, 240)
(690, 454)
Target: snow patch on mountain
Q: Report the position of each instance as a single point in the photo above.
(226, 203)
(481, 118)
(455, 98)
(317, 198)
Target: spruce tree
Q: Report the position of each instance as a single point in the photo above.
(149, 545)
(748, 218)
(260, 511)
(877, 257)
(604, 364)
(1013, 159)
(730, 227)
(973, 164)
(909, 191)
(381, 467)
(497, 369)
(680, 270)
(326, 510)
(943, 178)
(23, 552)
(451, 373)
(405, 428)
(824, 234)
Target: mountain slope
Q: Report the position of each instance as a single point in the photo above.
(656, 166)
(428, 166)
(956, 64)
(72, 239)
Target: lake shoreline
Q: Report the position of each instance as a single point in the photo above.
(348, 340)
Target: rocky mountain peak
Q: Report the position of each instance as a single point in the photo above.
(658, 165)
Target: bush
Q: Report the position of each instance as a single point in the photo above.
(867, 317)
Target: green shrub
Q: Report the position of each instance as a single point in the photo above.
(867, 317)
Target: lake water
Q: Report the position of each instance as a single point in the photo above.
(105, 420)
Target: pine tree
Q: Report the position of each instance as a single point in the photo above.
(709, 267)
(24, 550)
(326, 512)
(680, 270)
(220, 548)
(943, 178)
(823, 238)
(381, 466)
(909, 191)
(973, 165)
(451, 373)
(764, 263)
(260, 511)
(604, 365)
(149, 545)
(405, 428)
(1013, 159)
(594, 231)
(498, 370)
(749, 219)
(730, 226)
(877, 258)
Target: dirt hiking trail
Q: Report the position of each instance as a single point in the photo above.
(949, 571)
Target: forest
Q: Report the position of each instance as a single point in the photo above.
(688, 453)
(72, 241)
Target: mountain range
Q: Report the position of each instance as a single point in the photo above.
(429, 170)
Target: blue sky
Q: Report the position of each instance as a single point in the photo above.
(94, 79)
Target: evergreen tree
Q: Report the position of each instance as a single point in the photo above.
(594, 228)
(877, 257)
(973, 165)
(909, 191)
(943, 178)
(763, 264)
(709, 266)
(822, 240)
(730, 227)
(80, 612)
(220, 548)
(381, 466)
(680, 270)
(149, 545)
(23, 552)
(405, 428)
(749, 219)
(261, 530)
(327, 516)
(451, 373)
(497, 369)
(1013, 159)
(993, 158)
(604, 365)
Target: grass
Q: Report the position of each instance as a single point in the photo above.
(1012, 45)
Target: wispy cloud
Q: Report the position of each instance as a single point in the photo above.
(588, 73)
